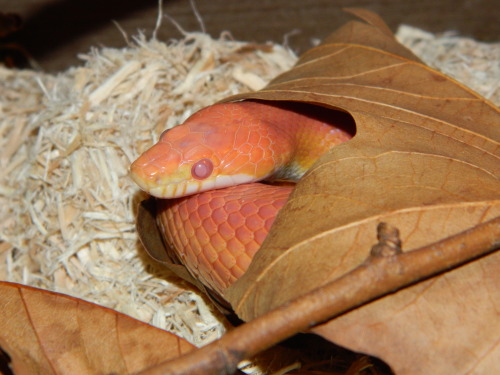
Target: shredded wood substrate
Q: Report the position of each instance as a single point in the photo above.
(67, 205)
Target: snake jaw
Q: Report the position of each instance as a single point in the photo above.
(181, 184)
(158, 173)
(163, 174)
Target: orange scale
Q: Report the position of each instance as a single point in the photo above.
(244, 234)
(204, 210)
(219, 215)
(189, 230)
(198, 152)
(254, 222)
(236, 219)
(235, 246)
(271, 155)
(227, 259)
(183, 212)
(191, 255)
(195, 219)
(243, 261)
(179, 132)
(209, 225)
(171, 223)
(232, 206)
(267, 131)
(240, 137)
(264, 165)
(217, 241)
(175, 241)
(176, 211)
(246, 148)
(178, 224)
(226, 231)
(230, 157)
(182, 240)
(191, 205)
(214, 140)
(267, 211)
(210, 254)
(248, 209)
(254, 137)
(264, 142)
(262, 201)
(215, 202)
(166, 222)
(201, 236)
(167, 216)
(240, 161)
(204, 198)
(257, 154)
(173, 217)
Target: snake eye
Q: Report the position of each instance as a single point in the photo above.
(202, 169)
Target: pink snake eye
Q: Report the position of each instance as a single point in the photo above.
(202, 169)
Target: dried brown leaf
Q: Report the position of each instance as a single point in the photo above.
(424, 159)
(50, 333)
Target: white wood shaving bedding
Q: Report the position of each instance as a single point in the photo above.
(66, 141)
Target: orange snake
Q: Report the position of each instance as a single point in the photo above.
(213, 160)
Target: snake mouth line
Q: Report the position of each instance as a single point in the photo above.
(170, 190)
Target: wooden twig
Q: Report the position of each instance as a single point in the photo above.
(383, 272)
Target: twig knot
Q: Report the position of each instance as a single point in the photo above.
(389, 242)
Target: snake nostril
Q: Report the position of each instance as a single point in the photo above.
(202, 169)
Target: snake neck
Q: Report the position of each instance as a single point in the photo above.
(234, 143)
(302, 134)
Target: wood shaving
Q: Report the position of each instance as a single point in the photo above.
(66, 202)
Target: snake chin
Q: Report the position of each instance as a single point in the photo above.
(193, 186)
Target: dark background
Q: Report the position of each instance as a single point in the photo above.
(55, 31)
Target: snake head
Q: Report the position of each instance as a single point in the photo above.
(219, 146)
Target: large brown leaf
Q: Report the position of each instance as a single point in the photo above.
(49, 333)
(424, 159)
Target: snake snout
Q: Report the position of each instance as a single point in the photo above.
(156, 167)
